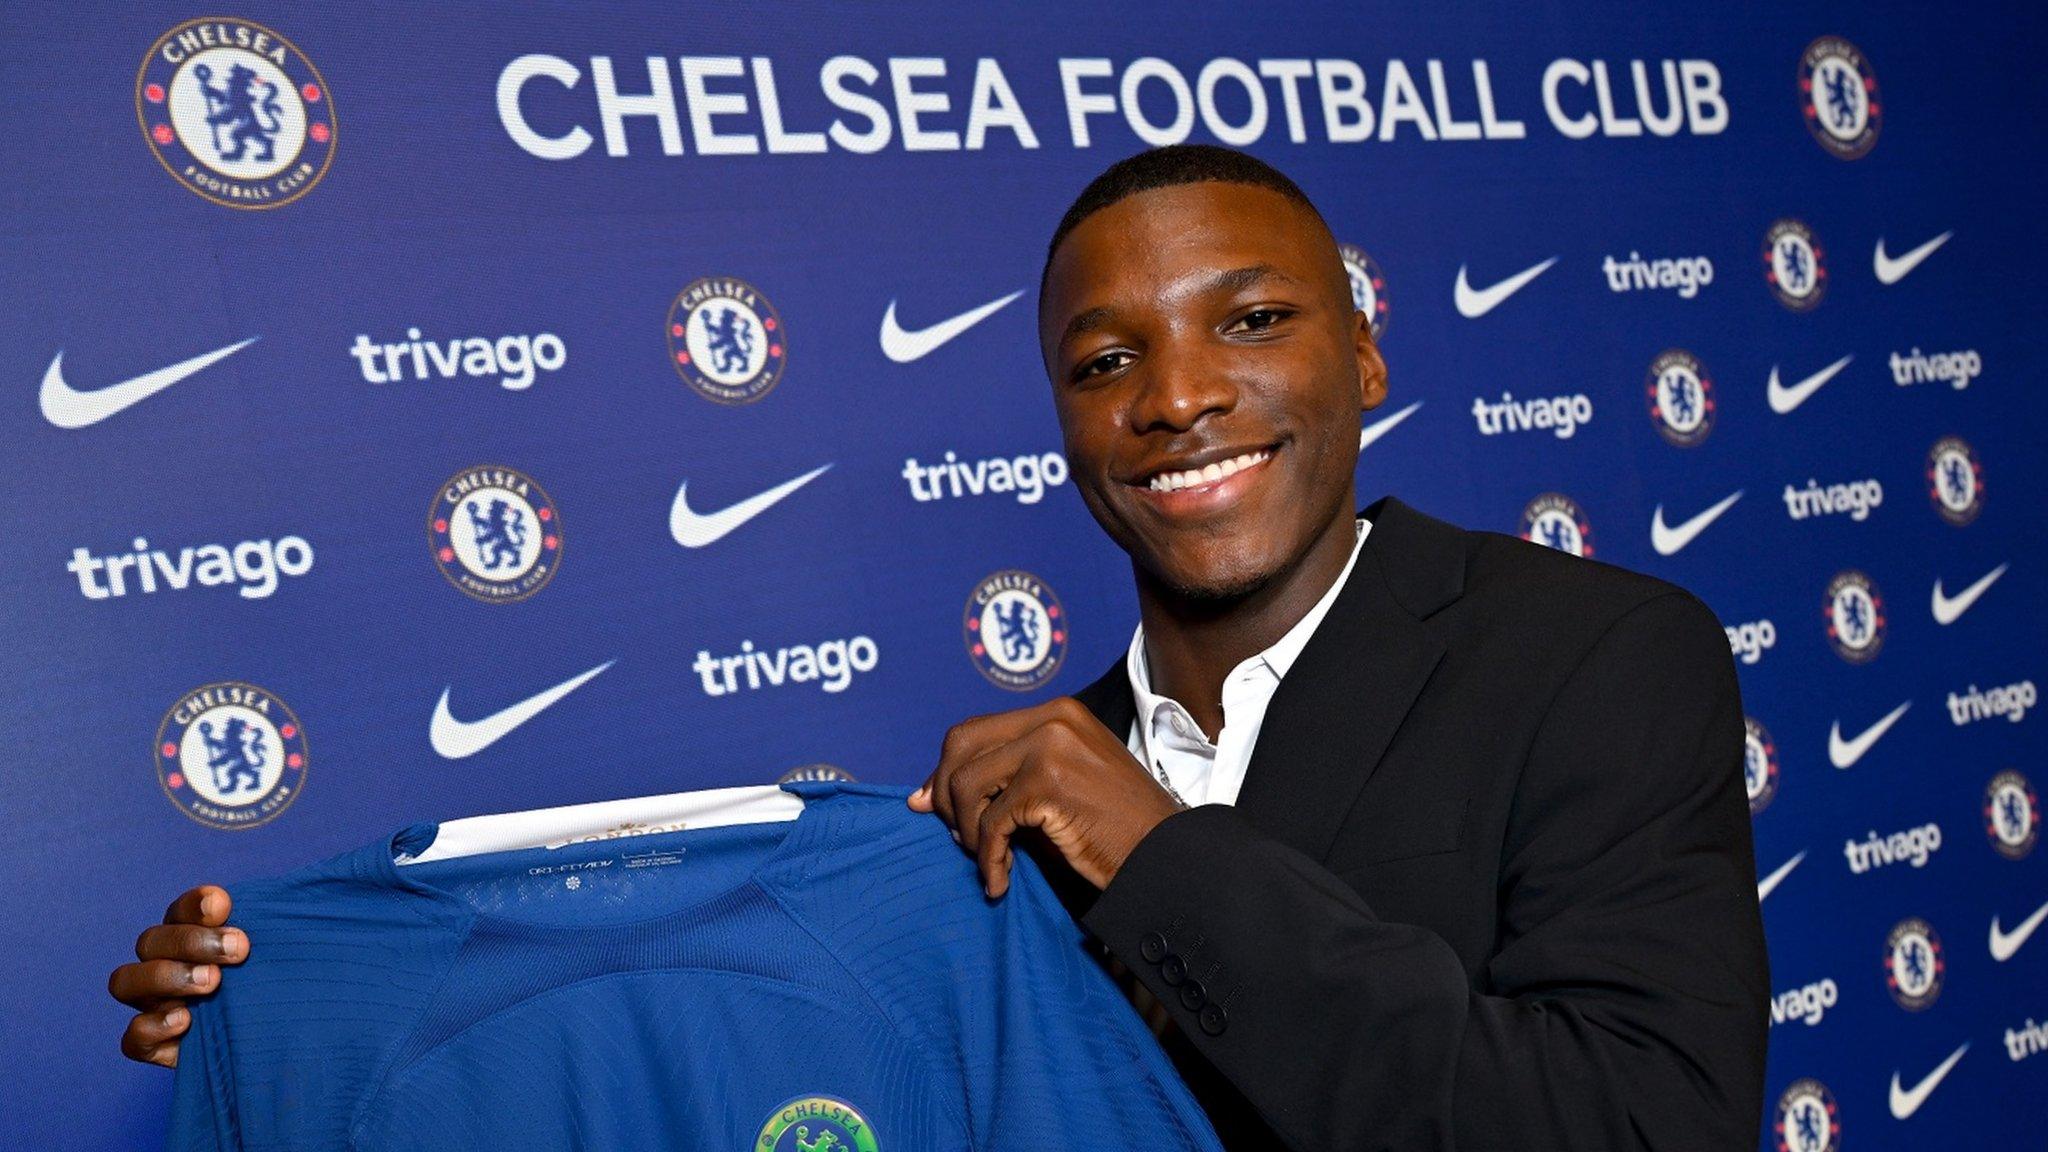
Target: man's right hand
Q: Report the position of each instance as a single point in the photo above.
(174, 961)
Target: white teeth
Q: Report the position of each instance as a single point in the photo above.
(1209, 474)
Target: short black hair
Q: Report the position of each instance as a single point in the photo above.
(1167, 167)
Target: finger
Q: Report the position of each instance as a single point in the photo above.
(979, 782)
(192, 944)
(152, 1037)
(207, 904)
(147, 984)
(999, 822)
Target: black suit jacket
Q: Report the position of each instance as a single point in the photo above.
(1488, 884)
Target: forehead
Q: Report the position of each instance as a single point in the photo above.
(1145, 242)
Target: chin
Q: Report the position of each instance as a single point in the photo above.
(1229, 580)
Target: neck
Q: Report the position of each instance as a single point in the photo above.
(1191, 643)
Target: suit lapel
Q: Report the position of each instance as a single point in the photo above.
(1336, 711)
(1334, 715)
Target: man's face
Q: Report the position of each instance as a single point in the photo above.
(1206, 328)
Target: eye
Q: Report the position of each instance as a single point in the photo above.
(1260, 319)
(1107, 362)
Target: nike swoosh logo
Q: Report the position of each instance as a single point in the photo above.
(1891, 270)
(1769, 884)
(1667, 540)
(695, 530)
(2004, 944)
(1476, 302)
(1905, 1102)
(903, 346)
(1948, 608)
(455, 739)
(1784, 400)
(1381, 427)
(67, 407)
(1845, 753)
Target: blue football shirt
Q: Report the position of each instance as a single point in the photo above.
(831, 982)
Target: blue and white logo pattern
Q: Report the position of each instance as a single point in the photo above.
(1913, 964)
(1368, 287)
(2012, 815)
(495, 534)
(1794, 265)
(235, 112)
(1554, 520)
(1839, 93)
(231, 755)
(1808, 1120)
(726, 341)
(1681, 398)
(1955, 480)
(1855, 617)
(1759, 765)
(1016, 630)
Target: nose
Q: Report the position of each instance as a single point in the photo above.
(1177, 388)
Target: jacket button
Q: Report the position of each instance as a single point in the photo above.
(1152, 947)
(1214, 1019)
(1193, 995)
(1173, 970)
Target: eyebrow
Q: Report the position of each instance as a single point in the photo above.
(1224, 282)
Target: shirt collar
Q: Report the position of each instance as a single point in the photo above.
(1276, 659)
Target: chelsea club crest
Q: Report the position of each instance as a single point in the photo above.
(231, 755)
(495, 534)
(726, 340)
(235, 112)
(1955, 480)
(1808, 1120)
(816, 1124)
(1681, 398)
(1759, 765)
(1794, 265)
(1838, 89)
(1368, 287)
(1913, 964)
(1016, 630)
(2012, 815)
(1855, 616)
(1554, 520)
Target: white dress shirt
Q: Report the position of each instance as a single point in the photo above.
(1166, 739)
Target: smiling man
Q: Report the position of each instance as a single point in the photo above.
(1402, 836)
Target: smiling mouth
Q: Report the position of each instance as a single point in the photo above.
(1209, 475)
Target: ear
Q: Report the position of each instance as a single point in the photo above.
(1372, 371)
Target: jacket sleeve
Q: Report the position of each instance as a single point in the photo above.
(1626, 1003)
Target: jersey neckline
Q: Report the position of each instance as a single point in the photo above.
(811, 827)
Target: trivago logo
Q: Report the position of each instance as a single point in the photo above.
(1955, 369)
(1807, 1004)
(1023, 478)
(1853, 499)
(1750, 640)
(2011, 701)
(831, 665)
(1913, 846)
(251, 567)
(512, 360)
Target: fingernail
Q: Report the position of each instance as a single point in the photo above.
(208, 905)
(176, 1017)
(233, 945)
(204, 975)
(955, 832)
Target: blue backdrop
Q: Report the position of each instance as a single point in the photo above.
(372, 364)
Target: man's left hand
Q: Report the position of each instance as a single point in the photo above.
(1053, 767)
